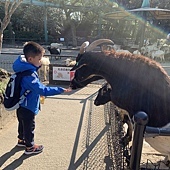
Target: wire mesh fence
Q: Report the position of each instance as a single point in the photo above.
(115, 155)
(114, 135)
(6, 65)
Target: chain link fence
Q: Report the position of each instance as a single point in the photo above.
(107, 152)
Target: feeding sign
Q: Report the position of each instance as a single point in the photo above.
(63, 73)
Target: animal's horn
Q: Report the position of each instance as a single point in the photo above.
(83, 47)
(98, 42)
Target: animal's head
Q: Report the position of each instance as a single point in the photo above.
(83, 73)
(48, 48)
(103, 95)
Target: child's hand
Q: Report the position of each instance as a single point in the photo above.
(68, 90)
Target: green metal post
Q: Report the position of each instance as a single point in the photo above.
(99, 26)
(45, 25)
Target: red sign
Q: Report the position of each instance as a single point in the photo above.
(71, 75)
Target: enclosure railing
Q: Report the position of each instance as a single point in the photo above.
(140, 129)
(140, 121)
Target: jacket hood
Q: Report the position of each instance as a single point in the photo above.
(21, 64)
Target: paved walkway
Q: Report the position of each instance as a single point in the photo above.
(61, 127)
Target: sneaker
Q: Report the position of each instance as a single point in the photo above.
(34, 149)
(21, 143)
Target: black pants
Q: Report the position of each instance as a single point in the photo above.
(26, 126)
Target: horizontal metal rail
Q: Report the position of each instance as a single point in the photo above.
(155, 131)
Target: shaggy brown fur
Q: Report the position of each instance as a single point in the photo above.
(138, 83)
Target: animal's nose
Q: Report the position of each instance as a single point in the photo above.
(96, 103)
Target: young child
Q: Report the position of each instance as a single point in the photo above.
(31, 60)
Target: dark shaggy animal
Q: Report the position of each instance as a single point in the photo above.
(138, 83)
(102, 98)
(103, 95)
(54, 51)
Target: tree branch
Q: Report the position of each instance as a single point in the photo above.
(9, 10)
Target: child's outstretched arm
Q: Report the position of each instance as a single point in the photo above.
(68, 90)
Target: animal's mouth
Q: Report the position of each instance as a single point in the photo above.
(96, 103)
(76, 84)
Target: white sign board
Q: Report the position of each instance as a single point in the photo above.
(63, 73)
(61, 39)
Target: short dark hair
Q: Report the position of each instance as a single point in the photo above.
(32, 49)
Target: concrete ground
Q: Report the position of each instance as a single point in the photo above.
(61, 127)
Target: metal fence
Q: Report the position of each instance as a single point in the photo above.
(110, 148)
(7, 65)
(129, 157)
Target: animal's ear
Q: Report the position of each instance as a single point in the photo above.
(77, 66)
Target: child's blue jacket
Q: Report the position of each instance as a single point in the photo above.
(32, 83)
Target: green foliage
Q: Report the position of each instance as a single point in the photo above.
(3, 84)
(6, 34)
(28, 35)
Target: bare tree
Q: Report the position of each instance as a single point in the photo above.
(10, 7)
